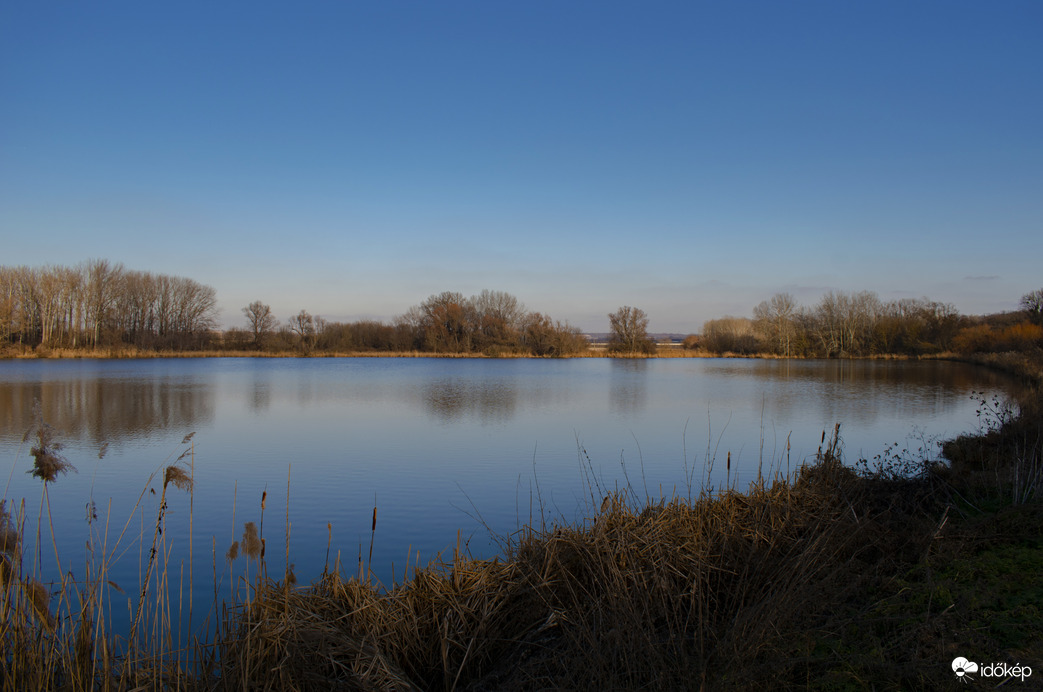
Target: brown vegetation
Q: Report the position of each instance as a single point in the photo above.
(629, 334)
(101, 305)
(492, 323)
(861, 325)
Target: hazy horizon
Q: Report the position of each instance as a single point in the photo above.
(690, 159)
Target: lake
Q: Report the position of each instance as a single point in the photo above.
(439, 446)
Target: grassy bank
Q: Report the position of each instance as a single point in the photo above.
(871, 576)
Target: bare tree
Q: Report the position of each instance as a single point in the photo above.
(545, 337)
(410, 328)
(448, 320)
(1032, 303)
(196, 304)
(497, 317)
(102, 288)
(303, 325)
(730, 335)
(630, 331)
(538, 334)
(260, 321)
(775, 321)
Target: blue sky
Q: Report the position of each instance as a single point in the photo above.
(689, 158)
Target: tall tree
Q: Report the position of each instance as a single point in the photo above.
(630, 331)
(498, 317)
(448, 320)
(102, 288)
(303, 325)
(260, 321)
(775, 320)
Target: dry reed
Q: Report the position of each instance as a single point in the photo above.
(664, 596)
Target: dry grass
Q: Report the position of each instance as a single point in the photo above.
(667, 595)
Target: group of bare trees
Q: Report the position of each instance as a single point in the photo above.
(98, 303)
(492, 322)
(841, 324)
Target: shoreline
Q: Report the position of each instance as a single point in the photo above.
(665, 352)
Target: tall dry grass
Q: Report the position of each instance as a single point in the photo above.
(670, 594)
(55, 630)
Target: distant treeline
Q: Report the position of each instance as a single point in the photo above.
(860, 324)
(491, 323)
(99, 304)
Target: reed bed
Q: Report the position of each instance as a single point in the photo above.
(672, 594)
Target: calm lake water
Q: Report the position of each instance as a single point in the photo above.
(439, 446)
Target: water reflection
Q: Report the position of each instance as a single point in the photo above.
(260, 396)
(628, 385)
(105, 410)
(859, 392)
(951, 376)
(453, 399)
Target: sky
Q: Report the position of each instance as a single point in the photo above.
(688, 158)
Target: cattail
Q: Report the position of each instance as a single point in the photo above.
(264, 499)
(233, 552)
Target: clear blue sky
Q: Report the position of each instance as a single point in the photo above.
(689, 158)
